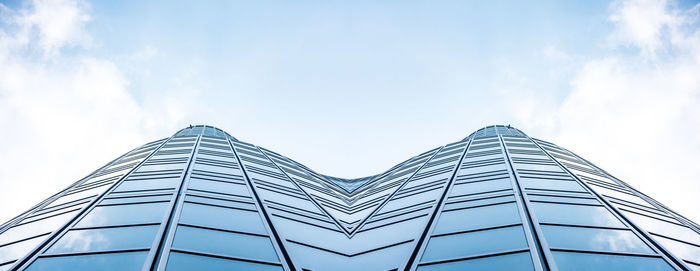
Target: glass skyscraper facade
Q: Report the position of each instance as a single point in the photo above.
(203, 200)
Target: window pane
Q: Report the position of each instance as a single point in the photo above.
(594, 239)
(221, 187)
(226, 243)
(473, 243)
(147, 184)
(124, 214)
(105, 239)
(596, 262)
(19, 249)
(551, 184)
(516, 261)
(103, 262)
(136, 199)
(563, 199)
(664, 228)
(476, 218)
(480, 187)
(683, 250)
(182, 261)
(35, 228)
(575, 214)
(222, 218)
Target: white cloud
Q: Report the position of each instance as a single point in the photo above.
(638, 115)
(63, 114)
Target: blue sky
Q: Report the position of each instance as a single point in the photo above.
(349, 88)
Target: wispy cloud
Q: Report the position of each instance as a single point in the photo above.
(64, 114)
(636, 115)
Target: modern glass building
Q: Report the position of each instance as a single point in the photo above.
(203, 200)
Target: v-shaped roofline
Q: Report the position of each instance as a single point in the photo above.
(350, 185)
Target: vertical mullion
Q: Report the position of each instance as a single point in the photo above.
(665, 254)
(25, 261)
(412, 262)
(639, 194)
(534, 232)
(157, 258)
(288, 264)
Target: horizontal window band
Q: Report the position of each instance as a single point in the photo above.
(605, 252)
(307, 223)
(221, 230)
(478, 206)
(115, 226)
(221, 206)
(345, 254)
(24, 239)
(392, 223)
(227, 257)
(512, 251)
(93, 252)
(477, 230)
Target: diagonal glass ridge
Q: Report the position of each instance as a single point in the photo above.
(350, 185)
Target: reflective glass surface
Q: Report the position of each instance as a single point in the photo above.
(34, 228)
(552, 184)
(563, 199)
(328, 223)
(474, 243)
(599, 262)
(124, 214)
(594, 239)
(147, 184)
(476, 218)
(575, 214)
(683, 250)
(183, 261)
(17, 250)
(479, 187)
(136, 199)
(221, 187)
(225, 243)
(105, 239)
(515, 261)
(222, 218)
(102, 262)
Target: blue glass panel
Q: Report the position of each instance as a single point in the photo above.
(551, 184)
(575, 214)
(183, 261)
(474, 243)
(225, 243)
(480, 187)
(124, 214)
(563, 199)
(597, 262)
(105, 239)
(35, 228)
(102, 262)
(19, 249)
(516, 261)
(136, 199)
(682, 250)
(222, 218)
(594, 239)
(221, 187)
(476, 218)
(148, 184)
